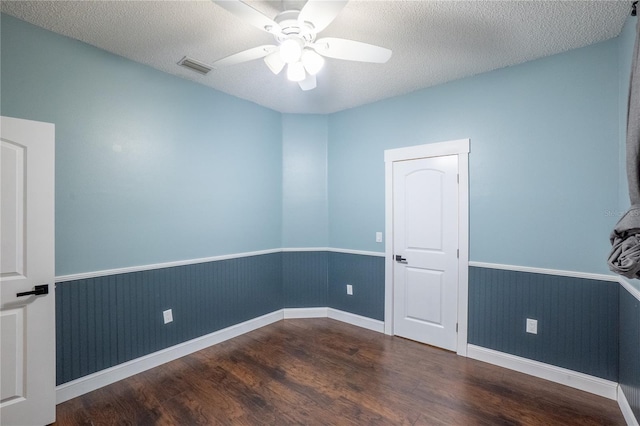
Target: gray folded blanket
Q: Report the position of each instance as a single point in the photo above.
(624, 258)
(625, 238)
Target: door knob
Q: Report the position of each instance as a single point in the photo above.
(400, 259)
(39, 289)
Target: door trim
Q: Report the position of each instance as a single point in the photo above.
(460, 148)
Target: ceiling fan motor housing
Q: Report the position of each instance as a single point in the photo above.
(291, 27)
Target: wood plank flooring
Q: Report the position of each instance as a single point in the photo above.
(321, 371)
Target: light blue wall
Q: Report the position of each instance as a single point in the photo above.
(304, 181)
(149, 167)
(152, 168)
(543, 163)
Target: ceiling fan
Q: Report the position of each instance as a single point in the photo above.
(297, 47)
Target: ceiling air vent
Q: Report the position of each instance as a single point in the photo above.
(194, 65)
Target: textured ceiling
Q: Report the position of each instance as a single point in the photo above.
(432, 41)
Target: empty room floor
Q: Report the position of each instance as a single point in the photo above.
(322, 371)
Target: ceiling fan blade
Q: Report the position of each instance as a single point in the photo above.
(351, 50)
(321, 12)
(249, 15)
(309, 83)
(245, 56)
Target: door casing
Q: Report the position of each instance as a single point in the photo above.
(460, 148)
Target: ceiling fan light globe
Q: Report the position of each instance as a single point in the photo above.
(312, 62)
(296, 72)
(274, 62)
(290, 50)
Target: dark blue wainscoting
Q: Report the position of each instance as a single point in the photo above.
(366, 274)
(105, 321)
(304, 275)
(577, 319)
(630, 349)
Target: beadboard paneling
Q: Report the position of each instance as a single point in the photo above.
(304, 278)
(630, 349)
(366, 274)
(577, 318)
(105, 321)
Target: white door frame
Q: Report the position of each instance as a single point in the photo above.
(460, 148)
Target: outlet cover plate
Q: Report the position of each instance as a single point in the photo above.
(349, 289)
(168, 316)
(378, 237)
(532, 326)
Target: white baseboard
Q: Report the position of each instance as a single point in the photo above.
(347, 317)
(105, 377)
(357, 320)
(290, 313)
(574, 379)
(629, 417)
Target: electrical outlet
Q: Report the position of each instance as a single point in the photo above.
(168, 316)
(378, 237)
(532, 326)
(349, 289)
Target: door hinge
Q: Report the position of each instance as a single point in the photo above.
(456, 327)
(458, 253)
(458, 178)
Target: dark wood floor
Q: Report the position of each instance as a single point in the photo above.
(321, 371)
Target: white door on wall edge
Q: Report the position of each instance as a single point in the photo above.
(425, 248)
(27, 321)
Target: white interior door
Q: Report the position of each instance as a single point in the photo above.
(27, 322)
(425, 247)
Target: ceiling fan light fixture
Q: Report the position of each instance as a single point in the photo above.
(312, 62)
(297, 46)
(296, 72)
(274, 62)
(291, 50)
